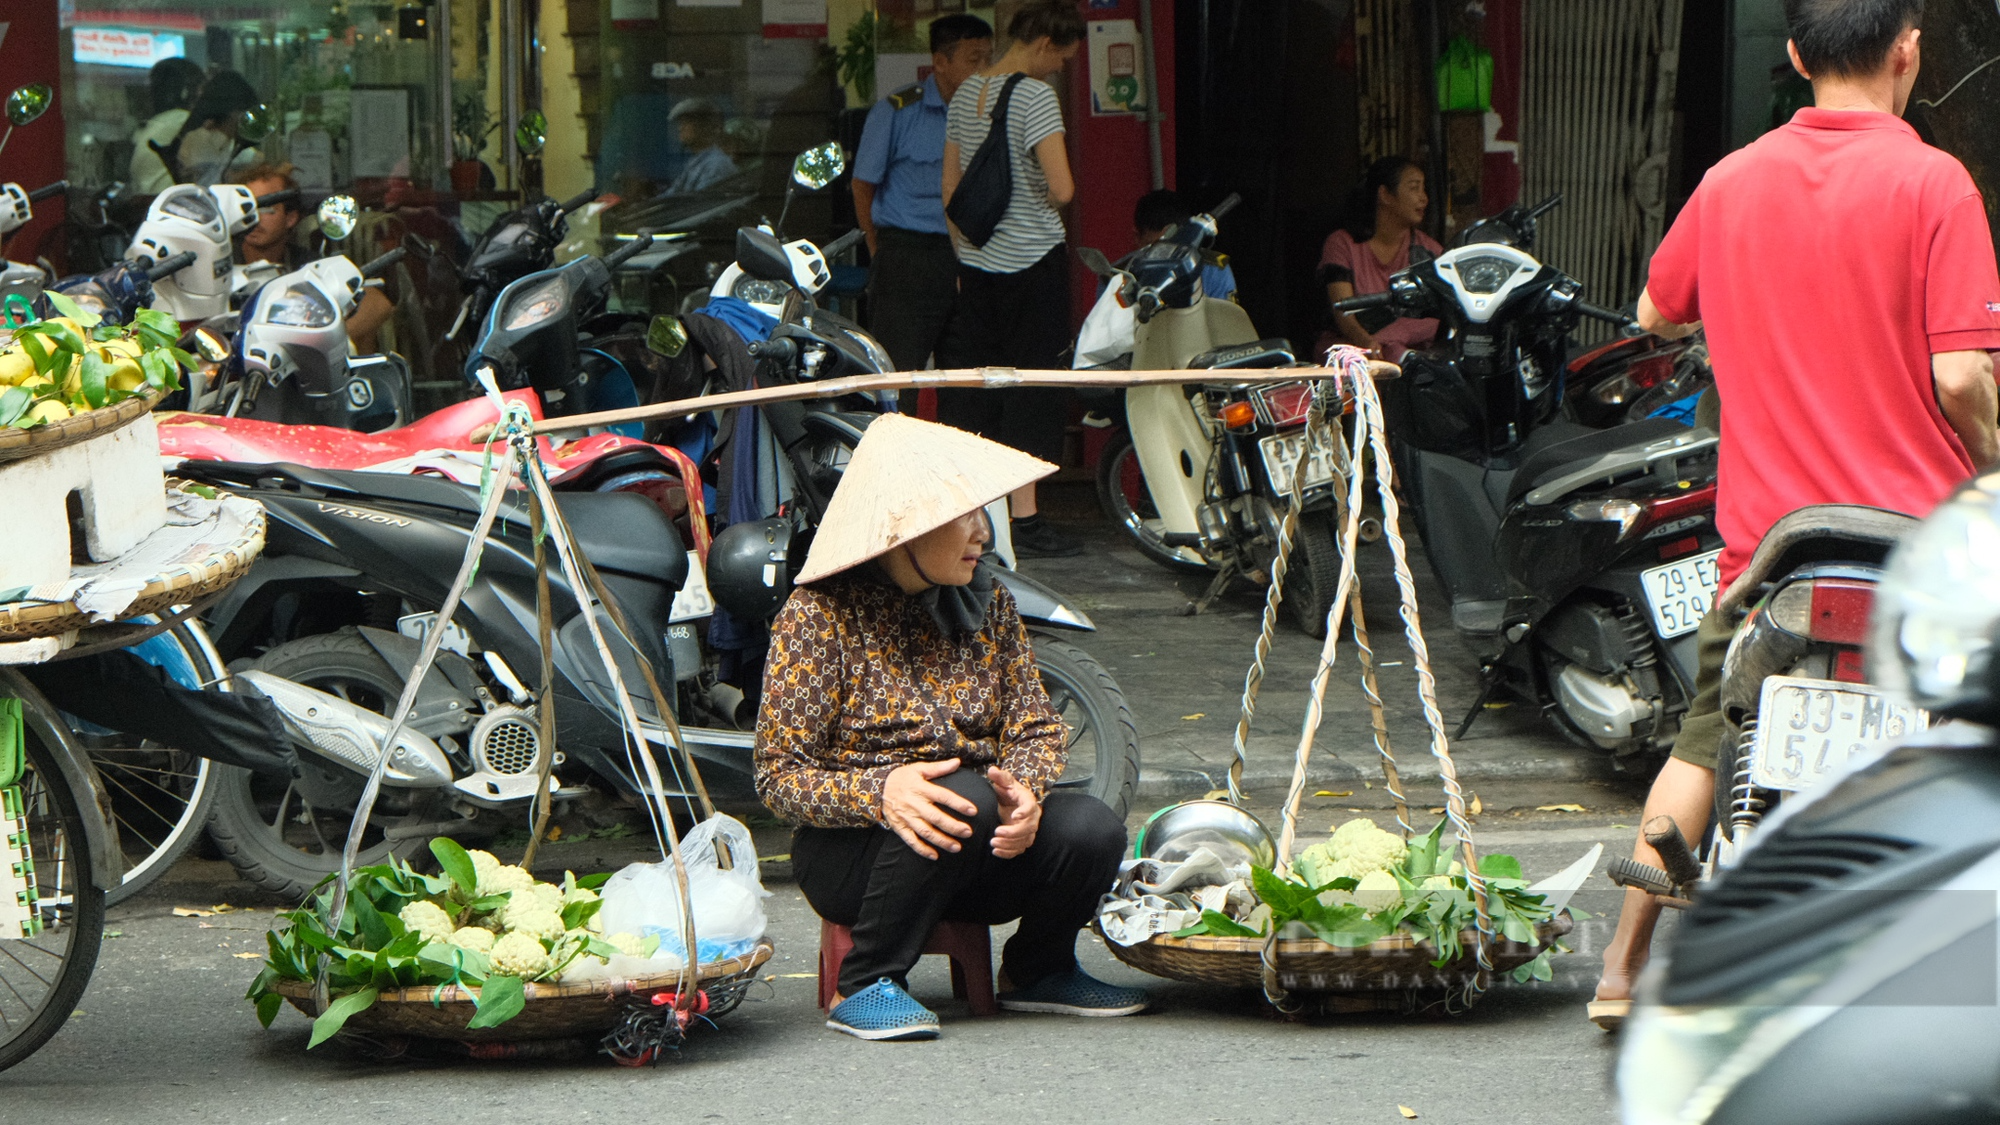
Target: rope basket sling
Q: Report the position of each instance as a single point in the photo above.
(1280, 965)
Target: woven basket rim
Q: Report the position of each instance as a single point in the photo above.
(1402, 941)
(16, 443)
(22, 620)
(548, 990)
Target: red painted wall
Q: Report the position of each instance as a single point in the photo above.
(1500, 185)
(34, 156)
(1109, 154)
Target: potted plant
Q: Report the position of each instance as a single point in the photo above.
(470, 126)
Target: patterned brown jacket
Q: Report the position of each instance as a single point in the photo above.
(861, 680)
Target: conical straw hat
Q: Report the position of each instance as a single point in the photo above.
(906, 477)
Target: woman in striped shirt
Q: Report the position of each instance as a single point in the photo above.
(1013, 308)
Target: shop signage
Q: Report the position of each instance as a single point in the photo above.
(1116, 86)
(111, 46)
(794, 19)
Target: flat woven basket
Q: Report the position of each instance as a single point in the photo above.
(1396, 963)
(180, 585)
(16, 444)
(554, 1011)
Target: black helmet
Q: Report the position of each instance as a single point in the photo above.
(749, 568)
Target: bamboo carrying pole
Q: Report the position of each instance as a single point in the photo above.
(972, 378)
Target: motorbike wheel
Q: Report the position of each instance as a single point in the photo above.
(43, 977)
(268, 828)
(161, 798)
(1102, 749)
(1314, 576)
(1121, 492)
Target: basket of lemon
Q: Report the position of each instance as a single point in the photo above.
(74, 376)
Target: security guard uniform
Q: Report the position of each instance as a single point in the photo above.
(913, 282)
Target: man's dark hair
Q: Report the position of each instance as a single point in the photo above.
(225, 94)
(1848, 37)
(949, 31)
(1158, 210)
(173, 83)
(1058, 21)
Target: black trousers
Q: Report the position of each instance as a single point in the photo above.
(912, 289)
(1011, 320)
(868, 879)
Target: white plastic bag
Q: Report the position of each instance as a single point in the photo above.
(1107, 332)
(644, 898)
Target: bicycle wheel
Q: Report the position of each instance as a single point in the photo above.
(160, 797)
(42, 977)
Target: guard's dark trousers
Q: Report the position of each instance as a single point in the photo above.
(912, 288)
(868, 879)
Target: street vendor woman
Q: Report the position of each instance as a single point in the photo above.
(906, 731)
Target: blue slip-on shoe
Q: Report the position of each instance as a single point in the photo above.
(883, 1011)
(1075, 993)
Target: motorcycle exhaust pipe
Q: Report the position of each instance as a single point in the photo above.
(728, 701)
(351, 735)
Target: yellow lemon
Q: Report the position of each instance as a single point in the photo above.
(112, 349)
(48, 410)
(15, 366)
(72, 384)
(34, 381)
(126, 377)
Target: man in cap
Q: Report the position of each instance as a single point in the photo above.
(700, 123)
(898, 200)
(905, 729)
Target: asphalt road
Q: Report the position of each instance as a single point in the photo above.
(163, 1035)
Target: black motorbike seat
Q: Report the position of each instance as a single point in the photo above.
(1819, 533)
(1572, 445)
(618, 531)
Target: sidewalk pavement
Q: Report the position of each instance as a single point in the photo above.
(1183, 678)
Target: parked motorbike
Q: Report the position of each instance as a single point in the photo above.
(1842, 971)
(1200, 478)
(24, 105)
(1578, 561)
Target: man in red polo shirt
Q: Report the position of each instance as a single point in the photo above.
(1844, 271)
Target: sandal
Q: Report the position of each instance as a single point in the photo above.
(1608, 1014)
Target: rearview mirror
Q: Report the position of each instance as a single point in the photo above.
(666, 335)
(210, 345)
(338, 216)
(28, 102)
(819, 166)
(532, 133)
(761, 255)
(253, 124)
(1094, 260)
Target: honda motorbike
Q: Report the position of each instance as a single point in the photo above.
(1578, 562)
(1201, 477)
(1843, 970)
(24, 105)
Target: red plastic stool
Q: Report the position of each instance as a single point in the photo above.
(968, 944)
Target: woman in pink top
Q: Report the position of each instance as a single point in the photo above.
(1379, 238)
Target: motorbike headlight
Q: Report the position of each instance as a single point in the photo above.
(90, 298)
(1937, 611)
(757, 291)
(300, 306)
(194, 206)
(544, 302)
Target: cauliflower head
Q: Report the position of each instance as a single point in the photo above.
(426, 918)
(631, 945)
(1378, 891)
(543, 896)
(1363, 847)
(518, 955)
(477, 939)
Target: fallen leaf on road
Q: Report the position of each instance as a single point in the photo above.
(114, 933)
(260, 956)
(767, 979)
(1367, 785)
(785, 858)
(1477, 807)
(192, 912)
(1406, 1111)
(1331, 793)
(555, 833)
(1560, 808)
(1626, 827)
(790, 976)
(1216, 795)
(222, 908)
(1437, 810)
(1193, 717)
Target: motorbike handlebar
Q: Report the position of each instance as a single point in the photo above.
(628, 251)
(577, 200)
(781, 348)
(1227, 205)
(841, 245)
(1366, 301)
(374, 268)
(272, 199)
(1546, 205)
(54, 189)
(166, 266)
(1618, 319)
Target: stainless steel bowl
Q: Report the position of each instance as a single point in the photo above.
(1175, 832)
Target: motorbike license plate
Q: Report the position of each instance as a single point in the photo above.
(1281, 453)
(1679, 593)
(1808, 728)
